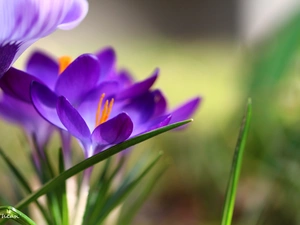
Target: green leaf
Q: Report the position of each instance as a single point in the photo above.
(15, 171)
(18, 175)
(63, 193)
(126, 187)
(9, 212)
(50, 185)
(98, 193)
(276, 54)
(236, 167)
(129, 210)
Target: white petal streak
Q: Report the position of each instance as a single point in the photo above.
(25, 20)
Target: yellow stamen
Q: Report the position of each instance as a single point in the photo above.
(101, 117)
(63, 63)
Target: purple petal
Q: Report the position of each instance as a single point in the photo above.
(113, 131)
(138, 88)
(18, 112)
(7, 54)
(124, 78)
(25, 115)
(43, 67)
(78, 78)
(40, 18)
(44, 101)
(89, 104)
(185, 111)
(152, 124)
(141, 109)
(107, 59)
(76, 14)
(72, 120)
(24, 22)
(160, 103)
(16, 83)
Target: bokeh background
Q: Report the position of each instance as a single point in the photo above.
(224, 51)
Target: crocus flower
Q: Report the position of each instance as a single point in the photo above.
(24, 22)
(89, 99)
(92, 101)
(99, 109)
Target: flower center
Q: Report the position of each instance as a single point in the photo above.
(63, 63)
(102, 115)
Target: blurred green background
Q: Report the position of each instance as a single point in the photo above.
(224, 51)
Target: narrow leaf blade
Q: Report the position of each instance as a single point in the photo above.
(50, 185)
(236, 167)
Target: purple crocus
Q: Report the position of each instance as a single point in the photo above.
(92, 101)
(24, 22)
(102, 108)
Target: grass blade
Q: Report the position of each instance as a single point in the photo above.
(50, 185)
(63, 193)
(22, 180)
(129, 210)
(9, 212)
(130, 182)
(236, 167)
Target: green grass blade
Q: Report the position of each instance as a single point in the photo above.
(276, 54)
(18, 175)
(99, 195)
(15, 171)
(63, 192)
(236, 167)
(50, 185)
(11, 213)
(126, 187)
(129, 210)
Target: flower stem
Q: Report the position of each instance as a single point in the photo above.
(82, 197)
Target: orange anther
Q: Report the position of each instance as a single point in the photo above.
(98, 113)
(63, 63)
(104, 113)
(102, 116)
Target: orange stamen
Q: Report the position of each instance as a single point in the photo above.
(98, 113)
(102, 117)
(104, 112)
(63, 63)
(111, 103)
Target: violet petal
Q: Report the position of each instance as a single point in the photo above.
(160, 103)
(113, 131)
(43, 67)
(156, 123)
(24, 22)
(185, 111)
(19, 112)
(124, 78)
(75, 15)
(16, 83)
(78, 78)
(72, 120)
(44, 101)
(89, 104)
(7, 55)
(138, 88)
(141, 109)
(107, 59)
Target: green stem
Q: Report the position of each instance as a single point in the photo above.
(236, 167)
(50, 185)
(9, 212)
